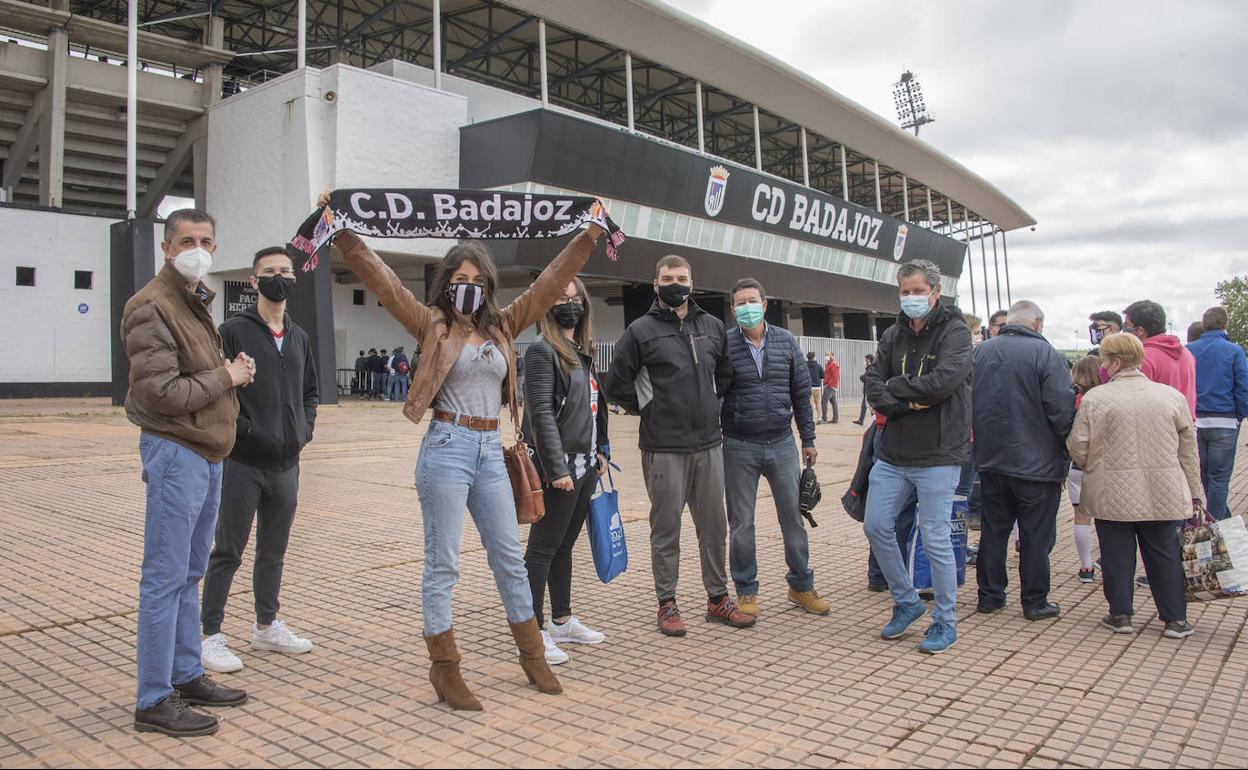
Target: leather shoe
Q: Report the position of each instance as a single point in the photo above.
(205, 692)
(1048, 611)
(173, 717)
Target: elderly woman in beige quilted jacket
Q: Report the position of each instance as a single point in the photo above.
(1135, 441)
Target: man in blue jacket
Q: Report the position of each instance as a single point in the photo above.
(1221, 403)
(770, 388)
(1023, 408)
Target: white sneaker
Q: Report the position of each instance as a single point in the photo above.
(575, 632)
(278, 638)
(215, 655)
(554, 655)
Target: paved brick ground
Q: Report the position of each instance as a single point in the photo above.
(796, 690)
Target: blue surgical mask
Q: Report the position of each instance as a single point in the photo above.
(749, 315)
(915, 306)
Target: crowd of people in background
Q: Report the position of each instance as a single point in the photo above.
(382, 375)
(1141, 433)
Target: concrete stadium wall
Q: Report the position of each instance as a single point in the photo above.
(46, 339)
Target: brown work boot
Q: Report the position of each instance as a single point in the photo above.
(725, 611)
(810, 601)
(533, 656)
(669, 619)
(748, 603)
(444, 673)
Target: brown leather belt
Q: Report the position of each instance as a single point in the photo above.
(463, 420)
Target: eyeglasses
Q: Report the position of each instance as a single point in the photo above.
(570, 301)
(285, 272)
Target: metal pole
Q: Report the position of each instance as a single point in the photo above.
(970, 260)
(879, 203)
(697, 89)
(437, 43)
(931, 217)
(983, 259)
(1005, 253)
(995, 264)
(541, 44)
(905, 195)
(132, 107)
(805, 160)
(628, 85)
(301, 59)
(758, 143)
(844, 176)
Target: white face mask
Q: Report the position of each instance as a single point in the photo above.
(193, 264)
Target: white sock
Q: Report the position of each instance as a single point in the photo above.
(1083, 543)
(1014, 533)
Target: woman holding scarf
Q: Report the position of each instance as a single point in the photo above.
(468, 364)
(565, 416)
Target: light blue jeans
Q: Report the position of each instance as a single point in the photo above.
(183, 491)
(890, 485)
(459, 467)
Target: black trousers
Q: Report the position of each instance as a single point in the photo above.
(1158, 542)
(1033, 504)
(249, 493)
(548, 557)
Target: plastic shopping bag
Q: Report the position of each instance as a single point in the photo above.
(606, 531)
(920, 567)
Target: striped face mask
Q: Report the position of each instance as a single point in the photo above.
(466, 297)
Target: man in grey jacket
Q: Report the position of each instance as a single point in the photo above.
(1023, 406)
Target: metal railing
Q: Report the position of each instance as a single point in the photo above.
(849, 354)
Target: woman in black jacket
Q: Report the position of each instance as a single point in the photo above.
(565, 416)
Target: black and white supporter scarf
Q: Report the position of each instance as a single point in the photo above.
(388, 213)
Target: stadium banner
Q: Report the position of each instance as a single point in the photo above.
(567, 152)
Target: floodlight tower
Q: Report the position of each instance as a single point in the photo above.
(908, 96)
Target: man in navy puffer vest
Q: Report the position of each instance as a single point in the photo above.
(770, 388)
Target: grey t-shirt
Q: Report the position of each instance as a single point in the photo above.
(474, 386)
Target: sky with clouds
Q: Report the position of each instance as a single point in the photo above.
(1118, 125)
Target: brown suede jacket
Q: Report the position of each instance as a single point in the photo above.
(441, 340)
(179, 387)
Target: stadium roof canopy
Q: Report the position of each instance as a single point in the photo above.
(673, 56)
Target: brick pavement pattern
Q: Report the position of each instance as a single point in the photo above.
(795, 691)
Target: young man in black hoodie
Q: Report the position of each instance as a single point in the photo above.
(261, 477)
(671, 367)
(921, 382)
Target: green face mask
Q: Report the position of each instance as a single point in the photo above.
(749, 315)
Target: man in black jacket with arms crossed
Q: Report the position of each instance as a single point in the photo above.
(261, 477)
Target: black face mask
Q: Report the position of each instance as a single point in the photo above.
(275, 287)
(466, 297)
(569, 315)
(674, 294)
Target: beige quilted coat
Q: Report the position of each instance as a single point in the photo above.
(1135, 441)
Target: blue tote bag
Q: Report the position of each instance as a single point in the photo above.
(920, 567)
(606, 530)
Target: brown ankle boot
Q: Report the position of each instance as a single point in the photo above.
(444, 673)
(533, 656)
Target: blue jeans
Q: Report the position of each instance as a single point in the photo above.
(779, 462)
(396, 390)
(460, 467)
(935, 488)
(1217, 461)
(183, 490)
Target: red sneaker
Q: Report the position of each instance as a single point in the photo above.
(669, 619)
(726, 611)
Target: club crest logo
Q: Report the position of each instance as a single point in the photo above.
(716, 187)
(899, 246)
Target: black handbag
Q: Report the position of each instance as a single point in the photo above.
(810, 493)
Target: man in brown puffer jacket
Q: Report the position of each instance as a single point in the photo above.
(182, 397)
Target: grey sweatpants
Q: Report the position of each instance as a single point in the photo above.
(696, 478)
